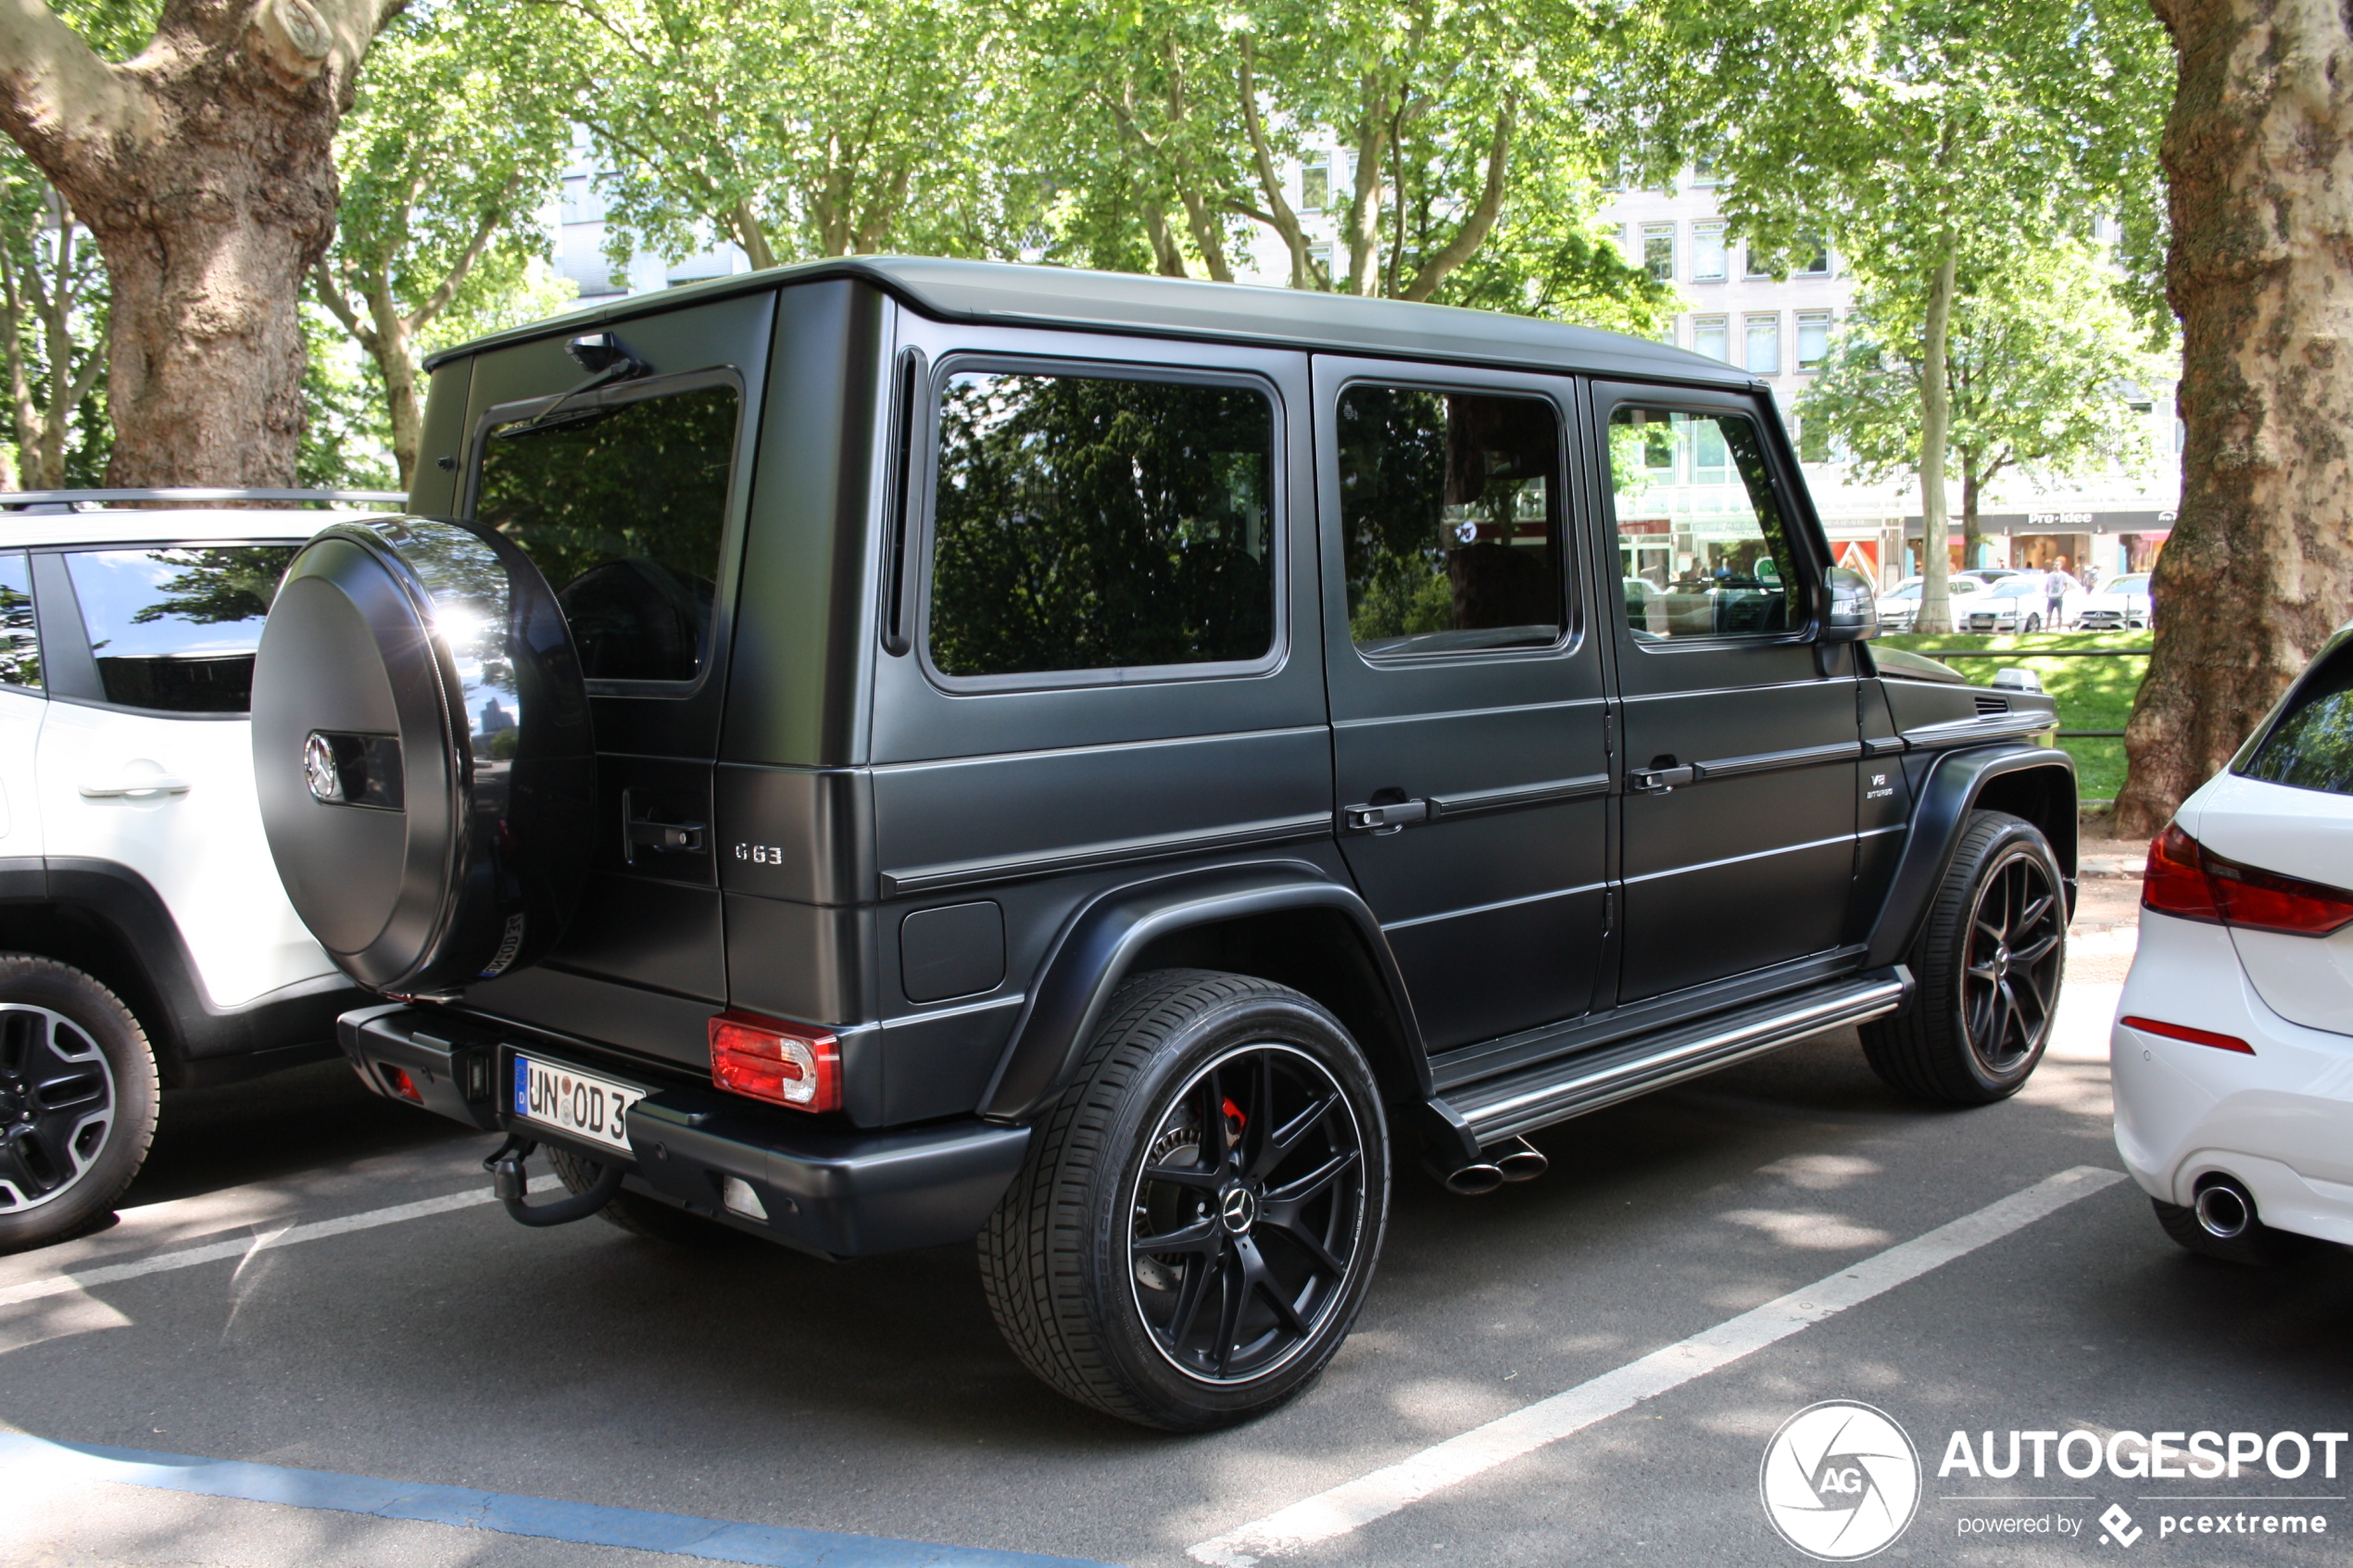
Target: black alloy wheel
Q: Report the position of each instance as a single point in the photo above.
(2010, 975)
(1248, 1214)
(77, 1100)
(1987, 967)
(1198, 1217)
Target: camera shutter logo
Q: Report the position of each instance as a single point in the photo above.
(1840, 1481)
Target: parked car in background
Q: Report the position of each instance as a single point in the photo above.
(2117, 605)
(1900, 606)
(2232, 1047)
(144, 939)
(2021, 602)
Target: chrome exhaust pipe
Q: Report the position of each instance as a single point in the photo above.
(1520, 1160)
(2225, 1211)
(1474, 1181)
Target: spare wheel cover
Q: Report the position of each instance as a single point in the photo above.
(423, 753)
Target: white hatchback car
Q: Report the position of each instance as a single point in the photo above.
(2232, 1047)
(144, 935)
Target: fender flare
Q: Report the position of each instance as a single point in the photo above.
(1099, 944)
(1946, 796)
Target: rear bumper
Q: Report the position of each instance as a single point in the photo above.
(821, 1188)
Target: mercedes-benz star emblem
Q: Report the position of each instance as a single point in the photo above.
(318, 769)
(1238, 1208)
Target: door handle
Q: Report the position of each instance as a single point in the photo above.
(152, 784)
(665, 839)
(1384, 818)
(1660, 781)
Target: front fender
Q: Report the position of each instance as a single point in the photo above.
(1955, 783)
(1099, 944)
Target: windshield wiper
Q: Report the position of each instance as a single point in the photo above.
(606, 360)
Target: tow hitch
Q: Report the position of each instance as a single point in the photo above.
(511, 1182)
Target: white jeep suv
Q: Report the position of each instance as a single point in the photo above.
(144, 935)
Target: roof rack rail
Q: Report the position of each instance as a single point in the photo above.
(19, 500)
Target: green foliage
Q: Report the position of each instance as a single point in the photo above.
(53, 314)
(2041, 357)
(2093, 694)
(346, 434)
(1086, 522)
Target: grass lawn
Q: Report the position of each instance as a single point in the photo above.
(2094, 693)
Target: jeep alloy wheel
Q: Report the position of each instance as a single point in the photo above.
(77, 1100)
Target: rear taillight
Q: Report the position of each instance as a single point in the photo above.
(789, 1064)
(399, 1083)
(2185, 878)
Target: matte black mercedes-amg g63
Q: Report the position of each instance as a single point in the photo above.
(884, 752)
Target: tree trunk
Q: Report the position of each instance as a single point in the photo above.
(1936, 422)
(1972, 483)
(2258, 152)
(203, 168)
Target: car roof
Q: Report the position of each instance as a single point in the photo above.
(1008, 294)
(174, 525)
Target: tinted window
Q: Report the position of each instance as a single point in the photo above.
(174, 629)
(2311, 747)
(1450, 518)
(1698, 522)
(20, 643)
(621, 506)
(1082, 522)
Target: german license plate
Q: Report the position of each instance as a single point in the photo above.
(572, 1102)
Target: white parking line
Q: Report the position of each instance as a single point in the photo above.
(1356, 1503)
(245, 1247)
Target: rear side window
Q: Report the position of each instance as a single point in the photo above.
(2312, 745)
(1092, 524)
(1450, 518)
(621, 506)
(174, 629)
(1703, 547)
(19, 642)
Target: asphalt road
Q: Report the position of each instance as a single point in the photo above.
(873, 1398)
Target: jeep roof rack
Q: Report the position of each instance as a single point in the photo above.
(80, 500)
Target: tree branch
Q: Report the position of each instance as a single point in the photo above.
(65, 106)
(1481, 222)
(486, 231)
(331, 294)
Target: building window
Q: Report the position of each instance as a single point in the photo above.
(1813, 339)
(1814, 257)
(1764, 340)
(1658, 251)
(1707, 253)
(1704, 173)
(1758, 265)
(1711, 335)
(1316, 187)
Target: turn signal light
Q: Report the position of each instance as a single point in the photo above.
(2188, 880)
(787, 1064)
(2183, 1032)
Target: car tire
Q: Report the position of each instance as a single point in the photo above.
(2259, 1247)
(1981, 1014)
(648, 1218)
(78, 1093)
(1233, 1119)
(2034, 624)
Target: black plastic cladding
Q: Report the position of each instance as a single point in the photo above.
(849, 791)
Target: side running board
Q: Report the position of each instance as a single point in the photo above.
(1553, 1091)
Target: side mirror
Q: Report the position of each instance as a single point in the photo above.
(1849, 610)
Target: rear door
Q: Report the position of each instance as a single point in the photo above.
(145, 756)
(1470, 743)
(1740, 752)
(630, 499)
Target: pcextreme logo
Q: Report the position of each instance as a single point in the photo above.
(1840, 1481)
